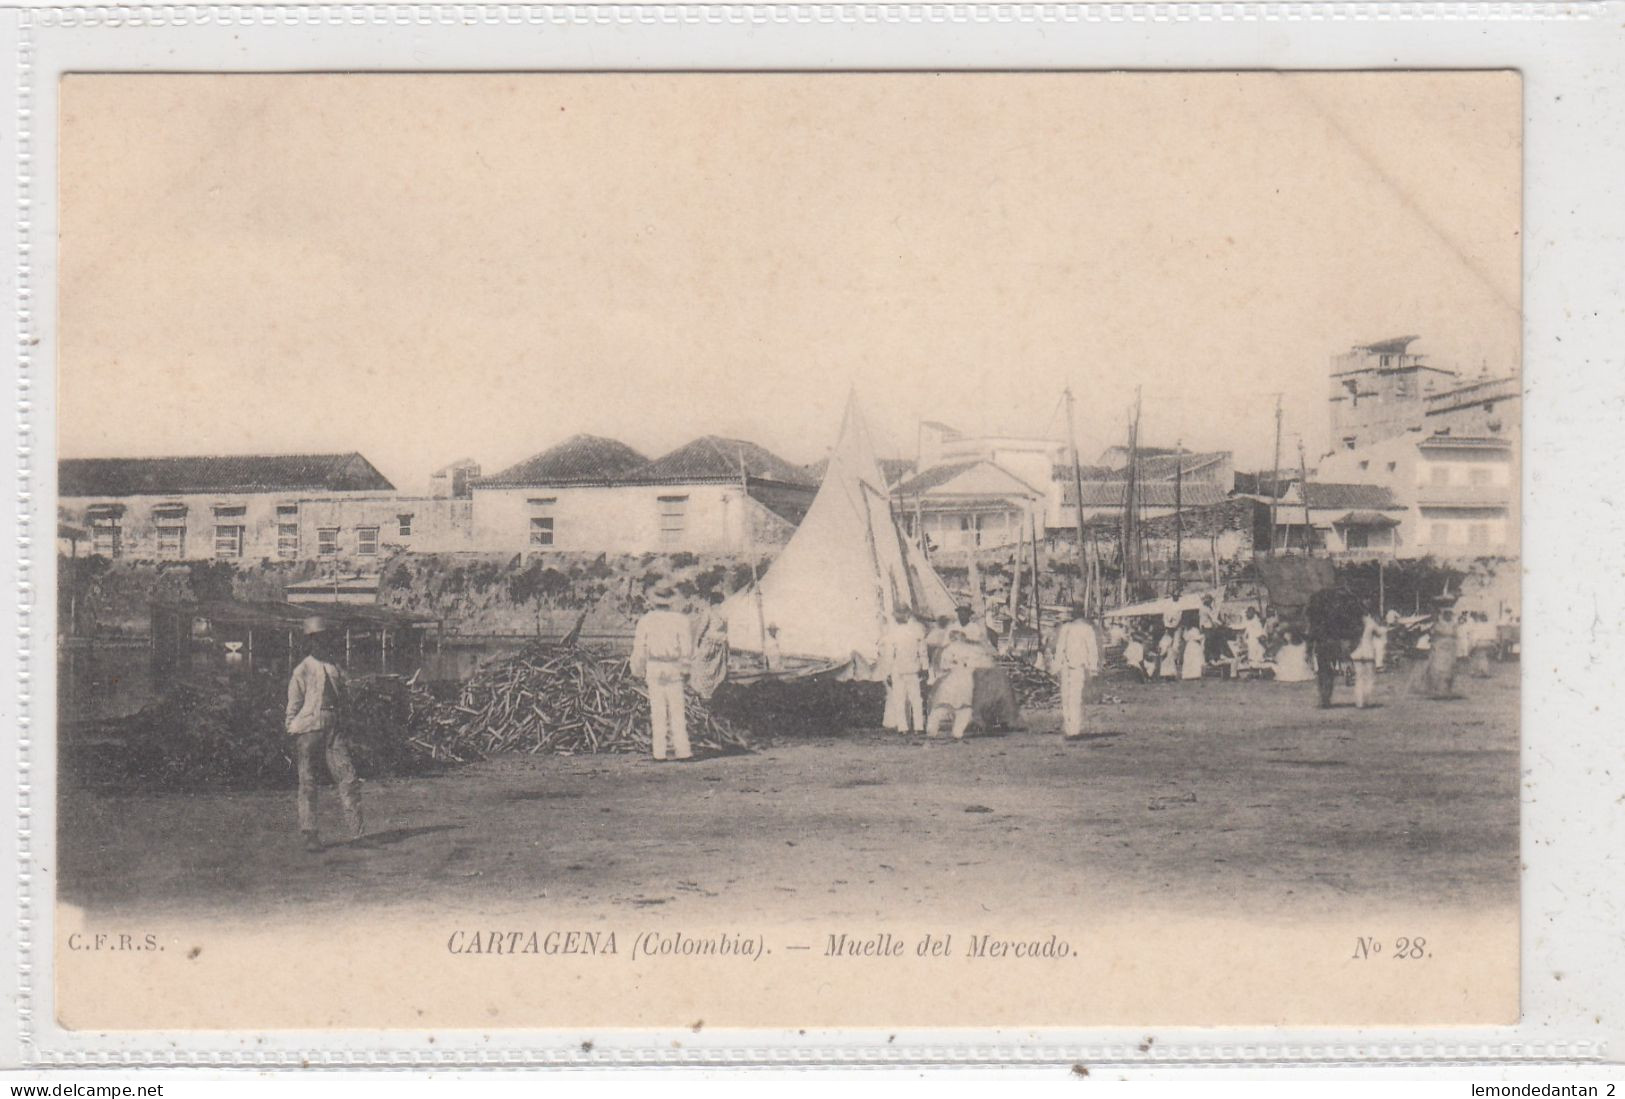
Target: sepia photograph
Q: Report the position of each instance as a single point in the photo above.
(788, 549)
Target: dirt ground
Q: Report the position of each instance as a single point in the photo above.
(1240, 797)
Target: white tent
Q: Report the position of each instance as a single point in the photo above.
(833, 588)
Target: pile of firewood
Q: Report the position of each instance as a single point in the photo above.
(1034, 687)
(551, 698)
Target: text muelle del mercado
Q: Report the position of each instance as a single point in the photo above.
(886, 944)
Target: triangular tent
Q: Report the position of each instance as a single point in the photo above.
(831, 591)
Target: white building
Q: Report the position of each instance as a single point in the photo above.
(248, 507)
(596, 495)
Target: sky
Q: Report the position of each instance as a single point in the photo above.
(424, 268)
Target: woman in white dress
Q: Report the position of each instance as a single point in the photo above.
(1252, 633)
(1292, 662)
(1195, 651)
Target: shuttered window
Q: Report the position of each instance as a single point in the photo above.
(673, 519)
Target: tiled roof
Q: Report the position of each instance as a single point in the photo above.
(928, 479)
(580, 458)
(220, 473)
(937, 476)
(1087, 473)
(1165, 467)
(713, 458)
(1347, 496)
(1151, 494)
(893, 469)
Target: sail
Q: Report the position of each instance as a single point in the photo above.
(833, 588)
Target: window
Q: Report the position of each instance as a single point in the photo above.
(541, 520)
(287, 531)
(1392, 466)
(170, 521)
(327, 542)
(171, 543)
(1349, 441)
(228, 540)
(1356, 538)
(1439, 475)
(1365, 464)
(673, 518)
(405, 522)
(107, 535)
(366, 541)
(1478, 534)
(1479, 476)
(1439, 534)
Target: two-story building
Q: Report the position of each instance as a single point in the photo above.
(597, 495)
(1458, 493)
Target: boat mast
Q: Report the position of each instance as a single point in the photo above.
(1303, 488)
(1179, 521)
(745, 540)
(1077, 488)
(1275, 475)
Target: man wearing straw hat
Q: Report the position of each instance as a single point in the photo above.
(662, 650)
(315, 719)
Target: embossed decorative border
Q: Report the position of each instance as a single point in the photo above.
(453, 15)
(749, 1050)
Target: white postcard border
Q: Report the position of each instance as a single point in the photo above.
(1573, 758)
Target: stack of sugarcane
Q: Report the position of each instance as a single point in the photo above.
(1034, 687)
(551, 698)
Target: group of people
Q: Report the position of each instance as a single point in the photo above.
(956, 661)
(946, 659)
(1182, 645)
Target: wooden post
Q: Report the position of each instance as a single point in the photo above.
(383, 650)
(1275, 475)
(346, 648)
(745, 541)
(1077, 488)
(1382, 595)
(1038, 606)
(1303, 487)
(1179, 516)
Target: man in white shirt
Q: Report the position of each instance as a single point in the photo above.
(903, 659)
(662, 650)
(315, 719)
(1076, 658)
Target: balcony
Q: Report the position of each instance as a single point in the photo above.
(1464, 496)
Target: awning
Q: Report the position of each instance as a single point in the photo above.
(1365, 519)
(1190, 601)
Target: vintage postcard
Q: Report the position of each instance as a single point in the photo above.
(788, 550)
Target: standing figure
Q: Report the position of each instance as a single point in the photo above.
(1364, 658)
(1389, 620)
(935, 641)
(903, 659)
(975, 632)
(1439, 674)
(1336, 621)
(1292, 659)
(315, 719)
(1195, 649)
(1076, 657)
(710, 650)
(662, 650)
(1252, 635)
(1481, 646)
(955, 696)
(1167, 652)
